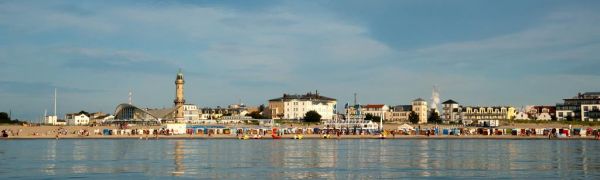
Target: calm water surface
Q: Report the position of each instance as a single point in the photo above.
(290, 159)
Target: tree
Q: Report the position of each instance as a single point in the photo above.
(413, 117)
(312, 116)
(376, 118)
(569, 118)
(434, 118)
(4, 117)
(261, 108)
(368, 117)
(84, 112)
(256, 115)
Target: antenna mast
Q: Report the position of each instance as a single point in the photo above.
(55, 102)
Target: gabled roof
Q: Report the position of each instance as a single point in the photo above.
(374, 106)
(450, 101)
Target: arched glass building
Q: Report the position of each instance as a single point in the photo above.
(127, 113)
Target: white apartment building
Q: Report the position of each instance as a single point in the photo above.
(590, 112)
(580, 107)
(295, 106)
(77, 119)
(51, 120)
(191, 113)
(380, 110)
(450, 111)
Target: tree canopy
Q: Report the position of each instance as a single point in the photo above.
(413, 117)
(569, 118)
(256, 115)
(434, 118)
(5, 119)
(368, 117)
(312, 116)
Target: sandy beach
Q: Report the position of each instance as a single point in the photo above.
(50, 132)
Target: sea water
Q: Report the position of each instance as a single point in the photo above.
(291, 159)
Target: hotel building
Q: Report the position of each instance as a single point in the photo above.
(295, 106)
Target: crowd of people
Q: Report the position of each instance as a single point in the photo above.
(9, 132)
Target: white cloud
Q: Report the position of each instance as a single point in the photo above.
(562, 35)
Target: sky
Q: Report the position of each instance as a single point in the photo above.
(477, 52)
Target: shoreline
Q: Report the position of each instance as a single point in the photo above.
(310, 137)
(49, 132)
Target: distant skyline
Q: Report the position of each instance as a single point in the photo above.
(512, 52)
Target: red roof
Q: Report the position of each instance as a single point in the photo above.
(374, 105)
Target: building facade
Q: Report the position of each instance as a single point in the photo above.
(400, 113)
(294, 107)
(542, 113)
(573, 108)
(51, 120)
(451, 111)
(419, 106)
(77, 119)
(590, 112)
(472, 114)
(380, 110)
(191, 113)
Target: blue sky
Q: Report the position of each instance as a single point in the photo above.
(516, 53)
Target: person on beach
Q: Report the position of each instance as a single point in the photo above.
(4, 134)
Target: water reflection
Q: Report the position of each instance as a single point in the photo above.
(178, 159)
(311, 159)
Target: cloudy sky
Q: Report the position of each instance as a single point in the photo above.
(510, 52)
